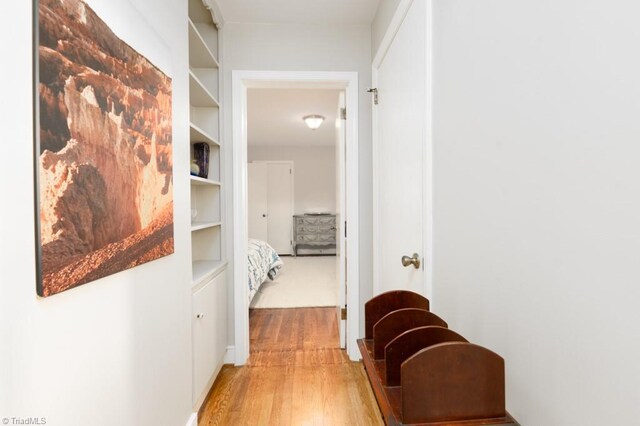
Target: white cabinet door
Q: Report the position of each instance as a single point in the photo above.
(209, 317)
(398, 166)
(258, 207)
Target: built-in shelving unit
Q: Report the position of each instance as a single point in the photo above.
(204, 87)
(208, 263)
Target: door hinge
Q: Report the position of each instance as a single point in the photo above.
(343, 113)
(375, 95)
(290, 172)
(343, 313)
(345, 229)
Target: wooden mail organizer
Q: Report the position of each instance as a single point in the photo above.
(422, 373)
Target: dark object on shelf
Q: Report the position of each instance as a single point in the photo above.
(201, 155)
(422, 373)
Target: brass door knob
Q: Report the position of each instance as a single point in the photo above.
(415, 261)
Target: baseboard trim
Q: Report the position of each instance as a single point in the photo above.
(230, 355)
(193, 420)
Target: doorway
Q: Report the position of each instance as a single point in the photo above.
(348, 83)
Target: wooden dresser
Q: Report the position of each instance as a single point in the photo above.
(314, 230)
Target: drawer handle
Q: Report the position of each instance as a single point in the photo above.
(200, 316)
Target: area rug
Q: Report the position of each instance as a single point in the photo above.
(305, 281)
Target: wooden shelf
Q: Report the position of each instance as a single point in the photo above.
(196, 134)
(200, 56)
(199, 95)
(197, 226)
(204, 269)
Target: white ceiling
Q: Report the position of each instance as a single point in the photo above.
(299, 11)
(274, 117)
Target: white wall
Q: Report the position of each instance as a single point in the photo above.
(537, 229)
(314, 179)
(289, 47)
(112, 352)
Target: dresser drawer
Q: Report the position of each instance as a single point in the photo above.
(326, 229)
(307, 229)
(329, 238)
(309, 238)
(331, 220)
(316, 238)
(315, 220)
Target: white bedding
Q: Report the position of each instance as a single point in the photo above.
(263, 263)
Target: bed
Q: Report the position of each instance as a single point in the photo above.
(263, 263)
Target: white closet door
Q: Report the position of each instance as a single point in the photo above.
(258, 206)
(399, 160)
(280, 206)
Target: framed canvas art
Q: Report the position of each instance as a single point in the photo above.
(103, 149)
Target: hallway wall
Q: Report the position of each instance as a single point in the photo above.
(111, 352)
(289, 47)
(314, 173)
(537, 230)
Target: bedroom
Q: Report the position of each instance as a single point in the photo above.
(293, 202)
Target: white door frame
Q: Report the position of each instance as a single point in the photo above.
(341, 134)
(427, 196)
(241, 81)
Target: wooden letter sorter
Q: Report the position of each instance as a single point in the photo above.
(422, 373)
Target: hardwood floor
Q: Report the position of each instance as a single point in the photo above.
(296, 375)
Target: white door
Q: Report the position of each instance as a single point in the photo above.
(257, 206)
(401, 124)
(280, 206)
(341, 243)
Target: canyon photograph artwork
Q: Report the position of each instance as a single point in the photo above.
(103, 151)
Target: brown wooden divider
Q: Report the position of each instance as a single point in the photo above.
(452, 381)
(409, 343)
(397, 322)
(424, 374)
(387, 302)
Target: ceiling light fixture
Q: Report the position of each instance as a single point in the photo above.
(313, 121)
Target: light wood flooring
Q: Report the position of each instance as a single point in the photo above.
(296, 375)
